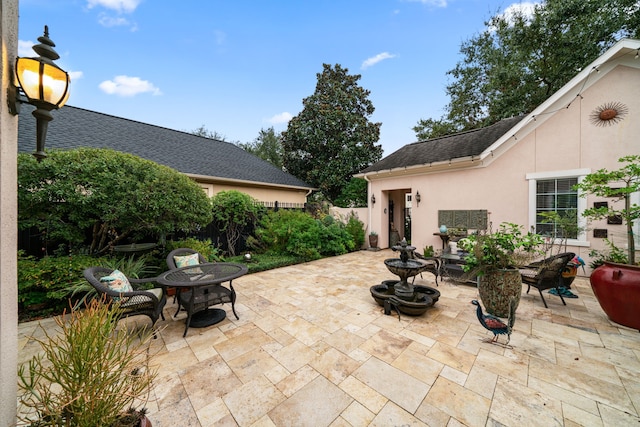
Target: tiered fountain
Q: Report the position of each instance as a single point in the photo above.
(402, 295)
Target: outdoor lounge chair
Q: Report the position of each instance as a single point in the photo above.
(131, 303)
(546, 274)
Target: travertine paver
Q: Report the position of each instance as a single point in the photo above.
(313, 348)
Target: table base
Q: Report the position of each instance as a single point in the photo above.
(207, 317)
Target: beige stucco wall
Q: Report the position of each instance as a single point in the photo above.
(263, 194)
(8, 219)
(565, 140)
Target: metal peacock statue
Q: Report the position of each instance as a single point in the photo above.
(496, 325)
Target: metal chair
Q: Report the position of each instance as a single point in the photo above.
(137, 302)
(546, 274)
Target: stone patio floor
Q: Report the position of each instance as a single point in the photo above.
(312, 348)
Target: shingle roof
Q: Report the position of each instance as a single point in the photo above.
(463, 144)
(75, 127)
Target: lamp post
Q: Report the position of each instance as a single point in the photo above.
(45, 85)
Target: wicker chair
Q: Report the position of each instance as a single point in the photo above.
(171, 261)
(546, 274)
(137, 302)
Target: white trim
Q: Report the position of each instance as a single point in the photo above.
(559, 174)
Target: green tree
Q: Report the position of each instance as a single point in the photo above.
(203, 131)
(618, 185)
(332, 138)
(521, 59)
(267, 146)
(107, 195)
(233, 211)
(353, 195)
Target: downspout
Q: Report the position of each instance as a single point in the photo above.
(369, 192)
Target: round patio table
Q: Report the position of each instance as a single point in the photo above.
(199, 287)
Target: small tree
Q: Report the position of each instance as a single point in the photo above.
(233, 211)
(618, 185)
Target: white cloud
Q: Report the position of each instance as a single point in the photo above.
(75, 75)
(525, 8)
(280, 118)
(436, 3)
(128, 86)
(120, 6)
(25, 49)
(112, 21)
(375, 59)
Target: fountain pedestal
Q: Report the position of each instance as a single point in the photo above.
(413, 300)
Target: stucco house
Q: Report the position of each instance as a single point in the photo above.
(215, 165)
(517, 167)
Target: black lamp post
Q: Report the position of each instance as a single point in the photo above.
(45, 85)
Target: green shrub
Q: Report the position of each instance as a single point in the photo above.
(50, 279)
(205, 247)
(297, 233)
(355, 228)
(70, 195)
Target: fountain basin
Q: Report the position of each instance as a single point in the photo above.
(423, 297)
(408, 268)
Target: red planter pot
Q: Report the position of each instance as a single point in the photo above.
(617, 288)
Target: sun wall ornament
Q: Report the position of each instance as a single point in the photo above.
(609, 114)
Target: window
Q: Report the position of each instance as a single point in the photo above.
(553, 192)
(557, 195)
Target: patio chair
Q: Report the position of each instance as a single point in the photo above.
(177, 257)
(546, 274)
(131, 302)
(431, 265)
(182, 257)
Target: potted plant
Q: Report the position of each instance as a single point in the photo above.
(494, 258)
(616, 285)
(90, 373)
(373, 239)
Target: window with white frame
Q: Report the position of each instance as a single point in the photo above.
(553, 192)
(557, 195)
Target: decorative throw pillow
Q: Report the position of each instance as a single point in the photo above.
(186, 260)
(117, 281)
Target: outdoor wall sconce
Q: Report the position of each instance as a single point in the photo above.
(45, 85)
(418, 198)
(373, 199)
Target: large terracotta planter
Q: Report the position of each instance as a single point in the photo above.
(496, 289)
(617, 288)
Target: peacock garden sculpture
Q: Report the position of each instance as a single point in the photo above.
(496, 325)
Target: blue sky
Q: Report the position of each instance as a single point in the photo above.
(238, 66)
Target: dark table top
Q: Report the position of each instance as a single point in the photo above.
(202, 274)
